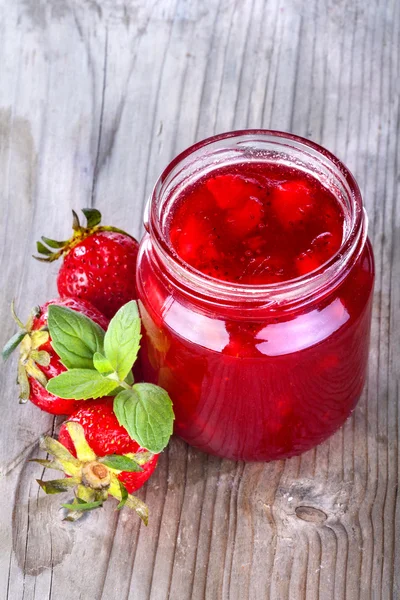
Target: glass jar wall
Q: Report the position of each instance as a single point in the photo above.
(256, 372)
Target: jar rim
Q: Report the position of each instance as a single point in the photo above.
(271, 293)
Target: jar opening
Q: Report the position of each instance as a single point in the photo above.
(272, 147)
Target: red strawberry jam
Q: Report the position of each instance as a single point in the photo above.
(256, 224)
(256, 371)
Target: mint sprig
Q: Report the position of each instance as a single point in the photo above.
(100, 364)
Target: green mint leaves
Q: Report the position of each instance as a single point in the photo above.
(146, 413)
(121, 342)
(74, 337)
(100, 364)
(81, 384)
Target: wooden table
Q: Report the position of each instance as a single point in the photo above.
(96, 97)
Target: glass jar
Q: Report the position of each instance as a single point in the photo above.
(256, 372)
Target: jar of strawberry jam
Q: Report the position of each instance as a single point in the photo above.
(255, 282)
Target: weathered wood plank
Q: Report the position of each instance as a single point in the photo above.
(95, 98)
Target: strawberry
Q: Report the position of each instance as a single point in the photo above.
(100, 459)
(106, 436)
(38, 360)
(99, 263)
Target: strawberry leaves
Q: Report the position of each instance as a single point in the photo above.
(50, 250)
(83, 506)
(29, 342)
(100, 364)
(121, 463)
(12, 344)
(92, 478)
(93, 216)
(57, 486)
(124, 496)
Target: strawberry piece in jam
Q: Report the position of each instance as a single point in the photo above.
(245, 218)
(232, 191)
(240, 198)
(261, 224)
(293, 202)
(322, 248)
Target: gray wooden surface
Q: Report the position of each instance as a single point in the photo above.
(96, 97)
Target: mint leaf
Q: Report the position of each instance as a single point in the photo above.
(74, 337)
(81, 384)
(122, 340)
(130, 379)
(121, 463)
(146, 413)
(102, 364)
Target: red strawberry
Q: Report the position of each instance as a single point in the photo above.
(39, 362)
(99, 263)
(106, 436)
(100, 460)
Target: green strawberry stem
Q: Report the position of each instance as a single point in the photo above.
(92, 478)
(30, 357)
(50, 250)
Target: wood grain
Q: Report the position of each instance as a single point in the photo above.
(96, 97)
